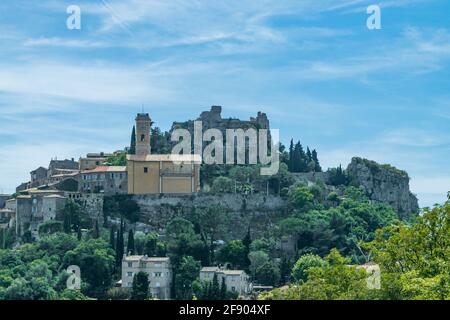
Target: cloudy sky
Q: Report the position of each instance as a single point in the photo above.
(312, 66)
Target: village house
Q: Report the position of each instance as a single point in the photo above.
(3, 198)
(36, 208)
(159, 270)
(109, 180)
(93, 160)
(157, 173)
(236, 280)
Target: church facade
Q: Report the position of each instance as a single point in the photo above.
(159, 173)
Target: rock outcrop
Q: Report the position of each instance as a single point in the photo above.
(384, 183)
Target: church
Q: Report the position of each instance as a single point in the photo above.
(159, 173)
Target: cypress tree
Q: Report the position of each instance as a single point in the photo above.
(215, 288)
(223, 290)
(66, 225)
(119, 245)
(79, 234)
(291, 156)
(318, 168)
(96, 230)
(130, 243)
(132, 149)
(308, 155)
(297, 158)
(246, 242)
(112, 239)
(140, 286)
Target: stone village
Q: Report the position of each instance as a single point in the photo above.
(162, 185)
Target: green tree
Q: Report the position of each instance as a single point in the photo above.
(234, 252)
(132, 149)
(317, 167)
(247, 241)
(336, 280)
(257, 259)
(140, 286)
(130, 243)
(96, 260)
(300, 197)
(96, 234)
(414, 259)
(187, 272)
(223, 185)
(268, 274)
(223, 290)
(303, 264)
(112, 239)
(119, 246)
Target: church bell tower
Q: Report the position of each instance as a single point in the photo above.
(143, 123)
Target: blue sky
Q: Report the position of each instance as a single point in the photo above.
(312, 66)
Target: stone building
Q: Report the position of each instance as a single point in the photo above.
(236, 280)
(3, 198)
(155, 173)
(38, 177)
(36, 208)
(7, 217)
(159, 270)
(93, 160)
(62, 166)
(110, 180)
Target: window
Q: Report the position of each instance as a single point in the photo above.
(129, 274)
(145, 170)
(233, 289)
(130, 264)
(142, 137)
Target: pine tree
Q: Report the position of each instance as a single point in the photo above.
(318, 168)
(132, 149)
(223, 290)
(130, 243)
(112, 239)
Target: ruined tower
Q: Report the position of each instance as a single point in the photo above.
(143, 123)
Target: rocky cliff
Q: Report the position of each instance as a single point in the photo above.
(384, 183)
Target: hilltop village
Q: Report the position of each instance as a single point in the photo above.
(242, 232)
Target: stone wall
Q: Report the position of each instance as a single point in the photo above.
(257, 210)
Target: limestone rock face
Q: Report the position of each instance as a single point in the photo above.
(385, 184)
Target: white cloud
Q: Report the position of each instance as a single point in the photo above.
(59, 42)
(412, 137)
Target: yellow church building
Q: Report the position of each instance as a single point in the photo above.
(159, 173)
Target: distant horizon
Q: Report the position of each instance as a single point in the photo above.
(316, 70)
